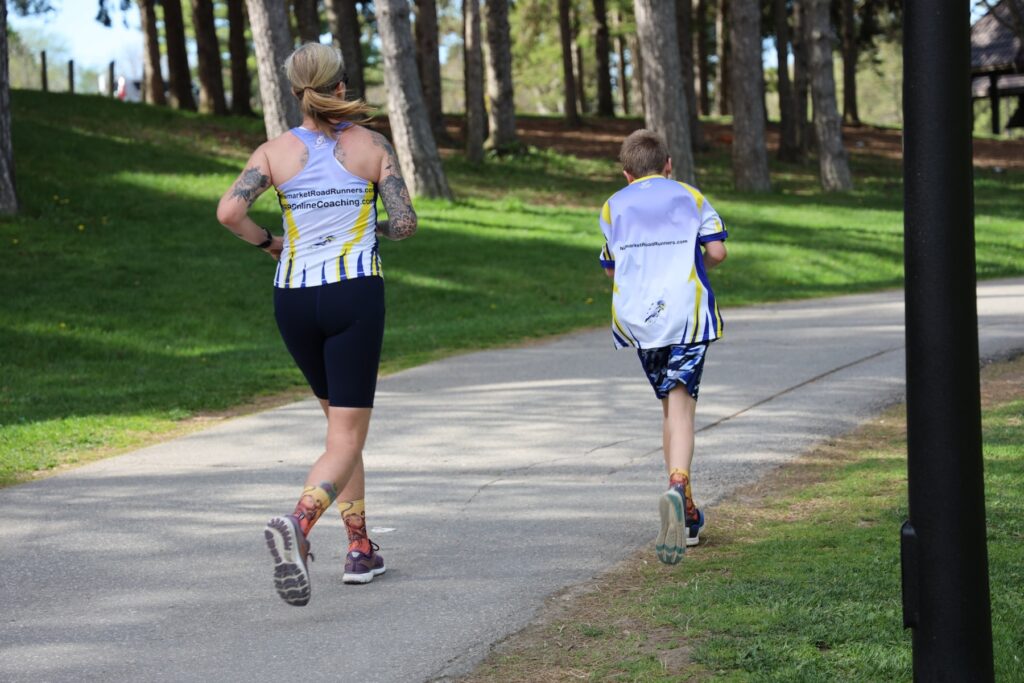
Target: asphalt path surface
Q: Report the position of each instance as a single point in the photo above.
(495, 479)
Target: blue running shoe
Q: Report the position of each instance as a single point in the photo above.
(693, 527)
(672, 538)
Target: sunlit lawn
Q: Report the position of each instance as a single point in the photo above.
(127, 308)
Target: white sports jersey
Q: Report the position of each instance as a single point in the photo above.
(330, 219)
(653, 229)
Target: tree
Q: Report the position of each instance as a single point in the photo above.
(700, 21)
(273, 43)
(153, 79)
(8, 195)
(789, 137)
(179, 75)
(473, 64)
(241, 85)
(500, 92)
(749, 154)
(684, 29)
(665, 109)
(833, 166)
(578, 61)
(721, 42)
(620, 50)
(343, 17)
(307, 20)
(849, 45)
(429, 63)
(801, 76)
(572, 117)
(409, 129)
(211, 78)
(602, 49)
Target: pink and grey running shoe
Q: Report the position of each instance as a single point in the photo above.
(290, 551)
(363, 567)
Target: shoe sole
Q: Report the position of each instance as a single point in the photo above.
(291, 578)
(364, 578)
(670, 545)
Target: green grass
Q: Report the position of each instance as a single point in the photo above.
(798, 579)
(129, 309)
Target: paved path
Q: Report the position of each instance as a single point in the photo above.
(495, 479)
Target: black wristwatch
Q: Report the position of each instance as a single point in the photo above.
(267, 242)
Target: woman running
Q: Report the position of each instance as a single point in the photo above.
(328, 291)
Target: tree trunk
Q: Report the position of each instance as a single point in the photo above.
(834, 168)
(272, 42)
(473, 62)
(410, 131)
(749, 153)
(429, 64)
(684, 30)
(637, 59)
(577, 50)
(789, 137)
(850, 114)
(620, 42)
(722, 88)
(241, 85)
(344, 19)
(307, 20)
(700, 21)
(500, 93)
(177, 57)
(801, 77)
(152, 78)
(665, 109)
(602, 49)
(8, 196)
(572, 117)
(211, 77)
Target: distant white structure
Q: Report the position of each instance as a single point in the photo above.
(128, 90)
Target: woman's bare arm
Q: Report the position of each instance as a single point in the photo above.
(402, 221)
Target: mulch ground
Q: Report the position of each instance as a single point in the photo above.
(600, 138)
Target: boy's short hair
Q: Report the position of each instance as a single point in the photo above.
(643, 153)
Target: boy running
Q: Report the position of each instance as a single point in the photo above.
(661, 238)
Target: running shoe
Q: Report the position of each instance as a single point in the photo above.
(672, 538)
(693, 527)
(290, 551)
(363, 567)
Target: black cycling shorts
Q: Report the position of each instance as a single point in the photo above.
(334, 332)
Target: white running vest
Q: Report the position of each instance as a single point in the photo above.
(329, 217)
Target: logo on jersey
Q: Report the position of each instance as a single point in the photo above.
(656, 309)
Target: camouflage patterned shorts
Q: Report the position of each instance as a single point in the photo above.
(669, 366)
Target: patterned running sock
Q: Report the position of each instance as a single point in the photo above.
(353, 514)
(312, 503)
(680, 479)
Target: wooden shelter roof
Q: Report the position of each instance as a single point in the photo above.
(995, 47)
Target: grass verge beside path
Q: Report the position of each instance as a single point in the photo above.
(798, 578)
(129, 311)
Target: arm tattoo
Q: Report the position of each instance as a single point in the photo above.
(391, 164)
(250, 185)
(401, 222)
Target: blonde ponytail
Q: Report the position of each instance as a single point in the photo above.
(314, 71)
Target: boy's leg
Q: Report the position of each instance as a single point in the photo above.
(679, 409)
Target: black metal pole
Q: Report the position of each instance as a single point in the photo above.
(945, 557)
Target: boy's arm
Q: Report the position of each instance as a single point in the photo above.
(714, 253)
